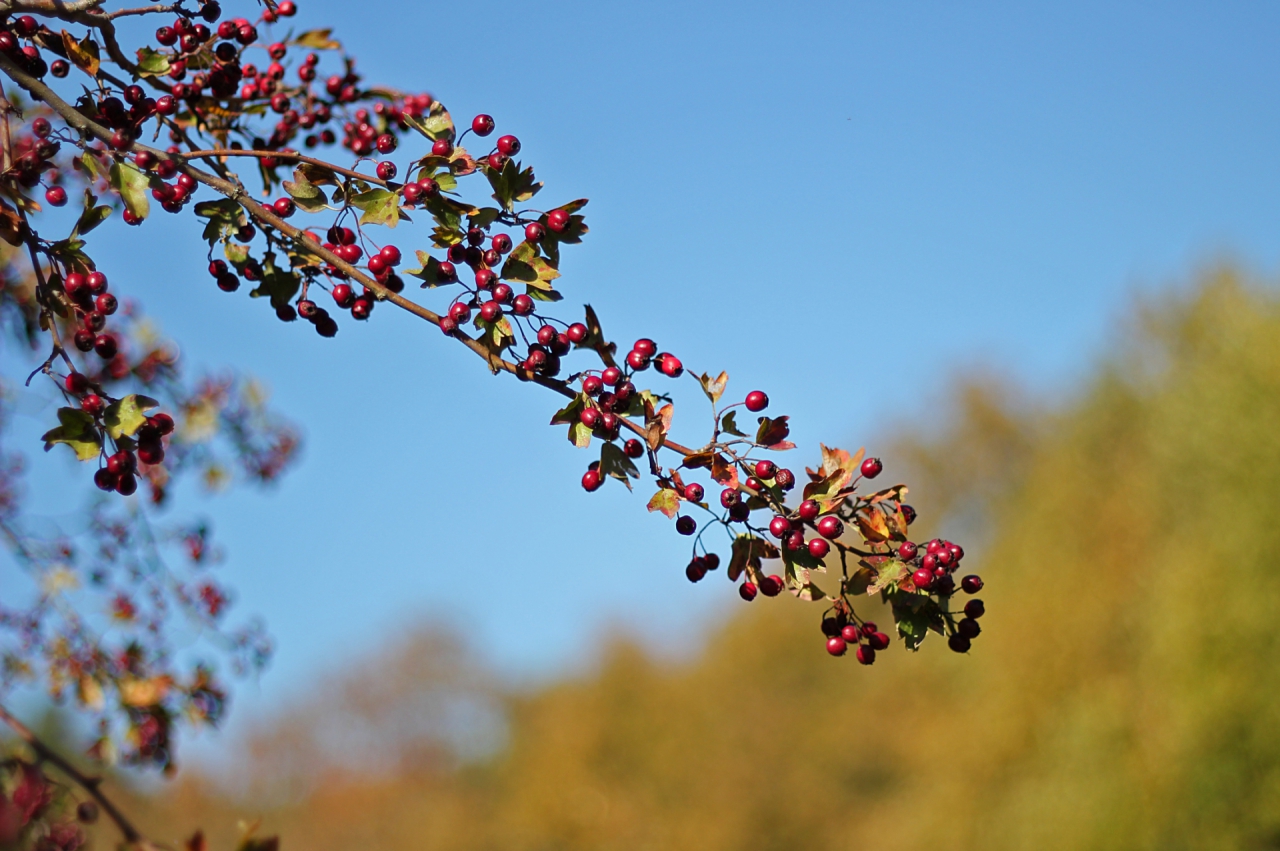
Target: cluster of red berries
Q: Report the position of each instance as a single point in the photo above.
(118, 473)
(92, 304)
(25, 28)
(841, 633)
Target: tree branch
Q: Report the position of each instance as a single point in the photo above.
(92, 785)
(236, 192)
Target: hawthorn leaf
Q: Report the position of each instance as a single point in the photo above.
(888, 575)
(569, 413)
(92, 215)
(713, 387)
(579, 435)
(799, 584)
(437, 125)
(511, 184)
(380, 207)
(724, 472)
(10, 224)
(151, 63)
(125, 416)
(132, 186)
(747, 551)
(317, 40)
(872, 524)
(304, 193)
(83, 54)
(729, 424)
(615, 463)
(280, 285)
(665, 500)
(225, 216)
(428, 270)
(77, 431)
(773, 433)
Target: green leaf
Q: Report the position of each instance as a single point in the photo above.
(888, 575)
(729, 424)
(748, 550)
(92, 215)
(77, 431)
(569, 413)
(152, 63)
(317, 40)
(280, 285)
(543, 295)
(126, 416)
(615, 463)
(93, 166)
(132, 186)
(524, 264)
(437, 125)
(484, 217)
(225, 216)
(306, 195)
(428, 270)
(380, 206)
(579, 435)
(71, 253)
(511, 184)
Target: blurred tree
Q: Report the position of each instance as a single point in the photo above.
(1130, 699)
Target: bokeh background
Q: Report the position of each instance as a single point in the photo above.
(1027, 255)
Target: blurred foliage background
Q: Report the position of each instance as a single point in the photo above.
(1125, 692)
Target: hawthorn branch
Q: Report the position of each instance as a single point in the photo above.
(92, 785)
(57, 8)
(281, 155)
(237, 193)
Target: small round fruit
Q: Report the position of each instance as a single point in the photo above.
(729, 497)
(482, 125)
(442, 148)
(712, 560)
(771, 586)
(871, 468)
(866, 654)
(785, 479)
(969, 628)
(971, 584)
(696, 570)
(972, 609)
(633, 448)
(126, 484)
(779, 526)
(671, 366)
(508, 146)
(765, 469)
(76, 383)
(611, 376)
(830, 527)
(851, 633)
(105, 480)
(558, 220)
(819, 548)
(757, 401)
(693, 492)
(56, 196)
(907, 551)
(922, 578)
(592, 385)
(809, 510)
(959, 643)
(686, 525)
(836, 645)
(386, 170)
(93, 405)
(592, 480)
(577, 332)
(534, 232)
(747, 591)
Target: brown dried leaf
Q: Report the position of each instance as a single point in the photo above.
(724, 472)
(83, 54)
(713, 387)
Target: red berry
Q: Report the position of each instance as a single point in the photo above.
(771, 586)
(830, 527)
(592, 385)
(442, 148)
(871, 468)
(907, 551)
(106, 304)
(959, 643)
(76, 383)
(533, 232)
(730, 497)
(969, 628)
(611, 376)
(671, 366)
(121, 462)
(878, 640)
(693, 492)
(637, 361)
(558, 220)
(508, 146)
(686, 525)
(284, 207)
(105, 479)
(922, 578)
(696, 570)
(747, 591)
(971, 584)
(633, 448)
(577, 332)
(126, 484)
(779, 526)
(592, 480)
(785, 479)
(93, 405)
(866, 654)
(757, 401)
(973, 609)
(482, 125)
(56, 196)
(387, 171)
(819, 548)
(836, 645)
(765, 469)
(809, 510)
(851, 633)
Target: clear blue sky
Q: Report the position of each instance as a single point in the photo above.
(778, 190)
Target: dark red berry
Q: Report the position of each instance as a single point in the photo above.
(126, 484)
(771, 586)
(765, 469)
(973, 609)
(508, 146)
(809, 510)
(696, 570)
(922, 578)
(906, 551)
(693, 492)
(779, 526)
(482, 125)
(633, 448)
(851, 633)
(784, 479)
(56, 196)
(871, 468)
(686, 525)
(105, 346)
(577, 332)
(819, 548)
(959, 643)
(747, 591)
(836, 645)
(671, 366)
(592, 480)
(534, 232)
(76, 383)
(969, 628)
(93, 405)
(757, 401)
(866, 654)
(971, 584)
(558, 220)
(105, 479)
(729, 497)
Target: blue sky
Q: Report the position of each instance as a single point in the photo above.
(845, 205)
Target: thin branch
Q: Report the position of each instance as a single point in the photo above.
(237, 193)
(92, 785)
(280, 155)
